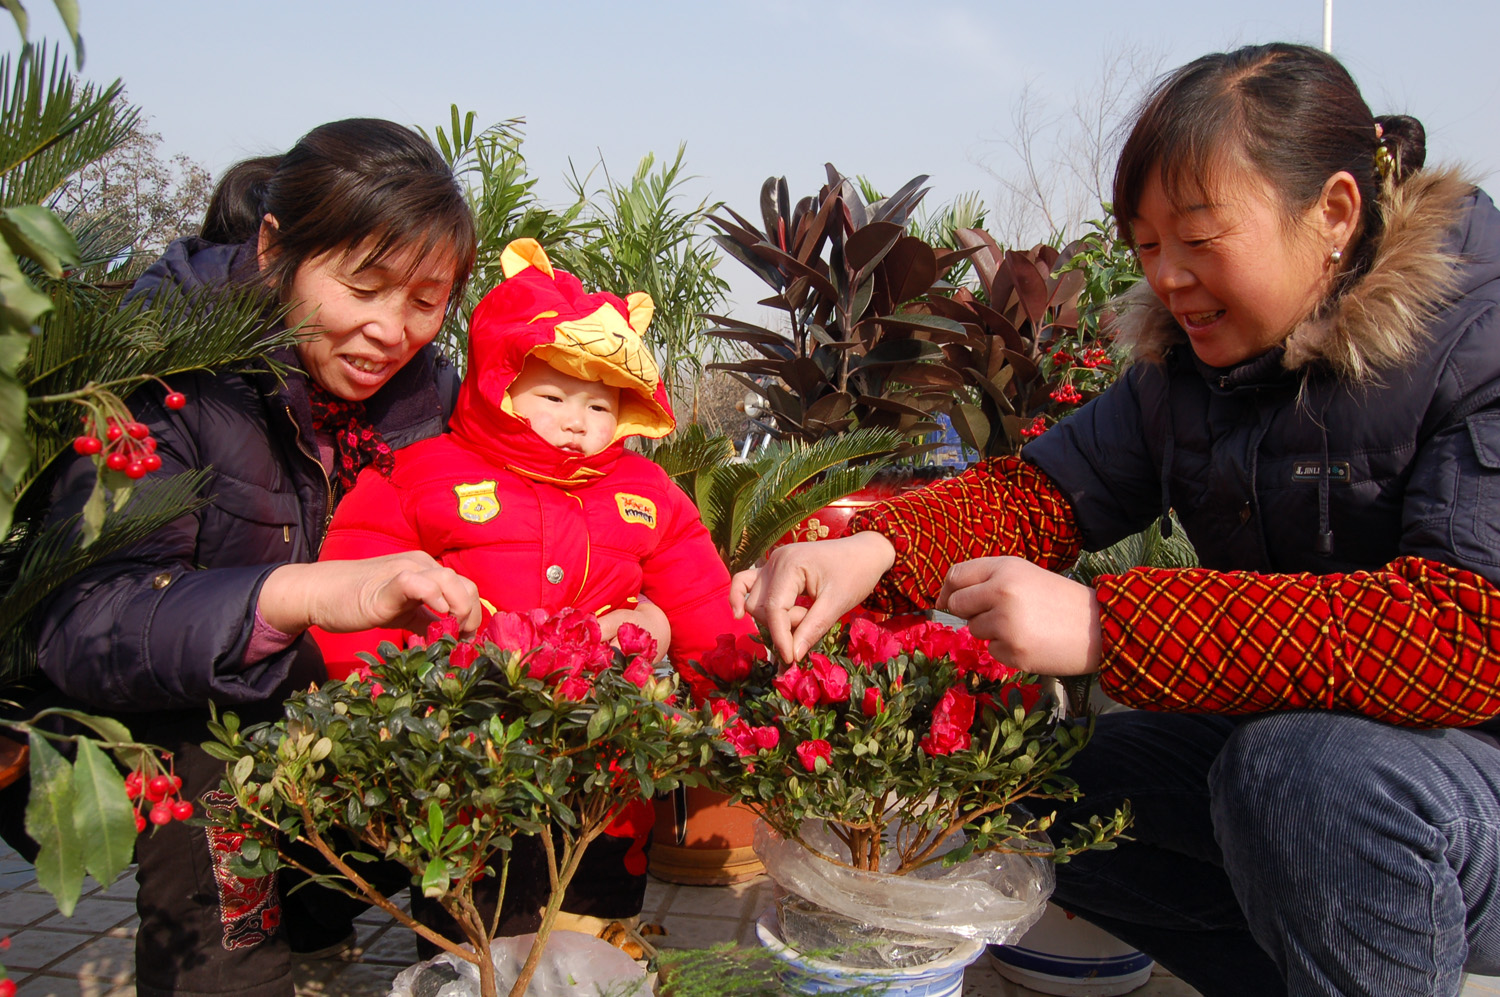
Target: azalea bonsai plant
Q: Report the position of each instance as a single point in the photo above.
(898, 753)
(438, 755)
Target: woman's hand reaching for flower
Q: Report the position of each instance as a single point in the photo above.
(837, 574)
(406, 591)
(1035, 620)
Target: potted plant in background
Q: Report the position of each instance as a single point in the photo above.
(902, 776)
(435, 757)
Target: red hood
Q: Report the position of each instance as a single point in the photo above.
(543, 312)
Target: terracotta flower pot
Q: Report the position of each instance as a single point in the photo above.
(13, 760)
(700, 840)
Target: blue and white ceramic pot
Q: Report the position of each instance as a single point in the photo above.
(1066, 955)
(943, 977)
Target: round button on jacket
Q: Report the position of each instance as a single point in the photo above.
(555, 574)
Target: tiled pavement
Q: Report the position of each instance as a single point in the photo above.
(90, 954)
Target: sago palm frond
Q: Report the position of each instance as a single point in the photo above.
(1147, 549)
(723, 504)
(89, 339)
(787, 467)
(770, 521)
(52, 125)
(32, 566)
(691, 452)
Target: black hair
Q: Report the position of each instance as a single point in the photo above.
(357, 183)
(1291, 113)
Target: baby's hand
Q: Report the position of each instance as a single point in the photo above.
(648, 617)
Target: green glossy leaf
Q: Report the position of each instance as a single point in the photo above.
(34, 231)
(102, 813)
(23, 305)
(49, 821)
(598, 722)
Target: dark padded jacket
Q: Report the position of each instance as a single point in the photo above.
(164, 624)
(1372, 433)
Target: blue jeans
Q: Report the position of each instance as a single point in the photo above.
(1294, 853)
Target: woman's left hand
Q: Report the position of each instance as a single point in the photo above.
(1035, 620)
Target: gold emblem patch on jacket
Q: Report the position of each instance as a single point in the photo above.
(477, 502)
(635, 509)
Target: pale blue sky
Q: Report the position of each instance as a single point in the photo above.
(887, 89)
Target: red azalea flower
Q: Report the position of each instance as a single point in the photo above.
(833, 681)
(700, 686)
(810, 751)
(443, 626)
(376, 689)
(797, 685)
(740, 738)
(751, 645)
(872, 704)
(543, 662)
(639, 671)
(463, 655)
(634, 640)
(574, 627)
(951, 720)
(576, 687)
(725, 661)
(971, 654)
(722, 707)
(870, 643)
(930, 638)
(514, 631)
(766, 738)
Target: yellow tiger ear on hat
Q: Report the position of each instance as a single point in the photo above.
(641, 309)
(523, 253)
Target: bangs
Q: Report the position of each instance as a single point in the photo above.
(434, 240)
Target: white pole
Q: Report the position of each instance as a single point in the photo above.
(1328, 26)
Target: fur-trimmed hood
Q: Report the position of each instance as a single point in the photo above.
(1382, 319)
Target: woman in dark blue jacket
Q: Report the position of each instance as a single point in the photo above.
(1316, 393)
(362, 230)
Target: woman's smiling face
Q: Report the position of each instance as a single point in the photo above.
(1236, 270)
(368, 322)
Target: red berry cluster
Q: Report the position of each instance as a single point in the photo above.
(7, 988)
(1067, 395)
(1035, 428)
(1094, 357)
(128, 446)
(161, 792)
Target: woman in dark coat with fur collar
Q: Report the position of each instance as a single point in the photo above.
(1316, 393)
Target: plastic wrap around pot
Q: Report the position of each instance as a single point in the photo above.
(572, 964)
(992, 897)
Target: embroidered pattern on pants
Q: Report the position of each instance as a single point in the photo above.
(249, 908)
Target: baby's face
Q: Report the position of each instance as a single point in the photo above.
(569, 413)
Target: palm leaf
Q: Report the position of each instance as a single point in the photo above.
(1147, 549)
(722, 505)
(691, 451)
(32, 567)
(770, 521)
(51, 125)
(785, 468)
(90, 339)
